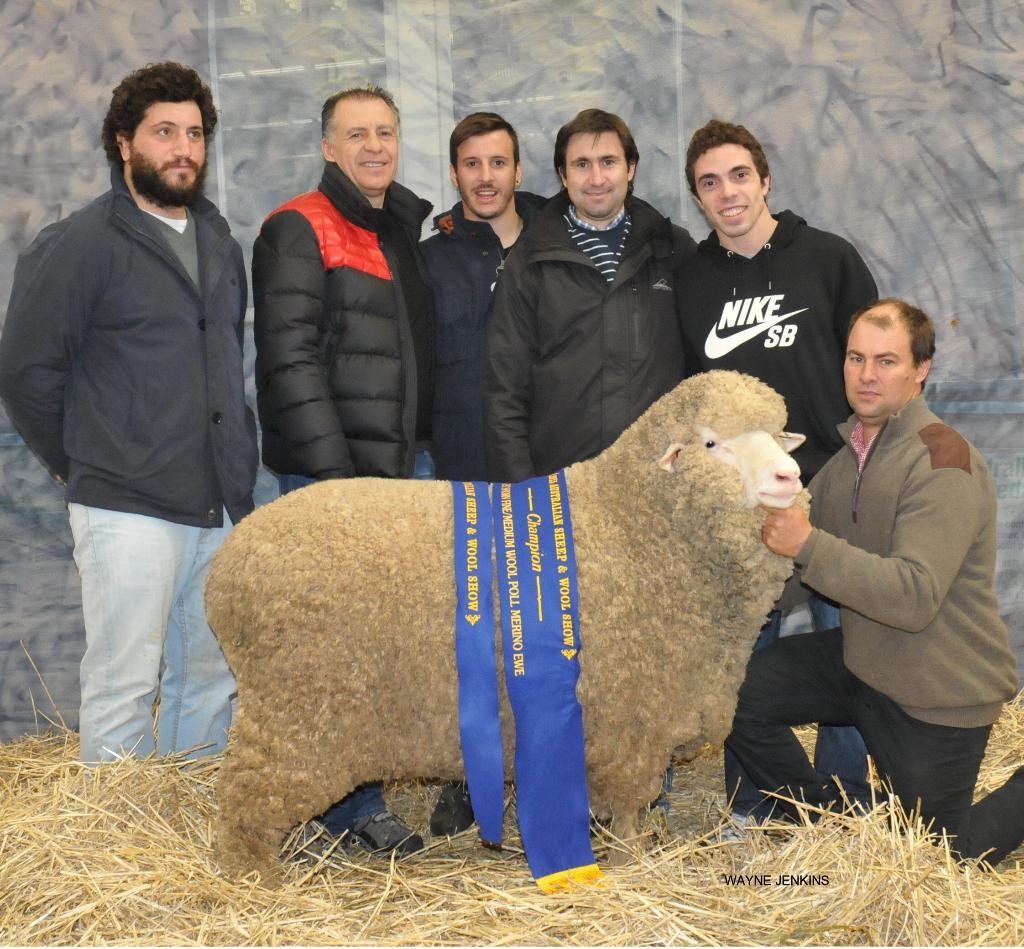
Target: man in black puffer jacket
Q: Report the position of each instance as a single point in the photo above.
(343, 331)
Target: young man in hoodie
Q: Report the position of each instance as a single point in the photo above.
(768, 295)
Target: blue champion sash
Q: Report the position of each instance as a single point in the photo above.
(475, 658)
(540, 626)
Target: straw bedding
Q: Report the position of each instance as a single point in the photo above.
(122, 856)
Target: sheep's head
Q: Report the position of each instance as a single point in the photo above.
(720, 423)
(767, 474)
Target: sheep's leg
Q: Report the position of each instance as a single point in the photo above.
(258, 804)
(626, 828)
(251, 825)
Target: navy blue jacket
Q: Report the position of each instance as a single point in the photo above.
(124, 377)
(464, 265)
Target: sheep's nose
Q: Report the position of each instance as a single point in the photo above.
(788, 478)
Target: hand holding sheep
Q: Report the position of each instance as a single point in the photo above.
(785, 530)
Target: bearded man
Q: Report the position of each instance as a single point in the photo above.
(121, 367)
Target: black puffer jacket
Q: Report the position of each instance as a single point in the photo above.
(336, 373)
(572, 359)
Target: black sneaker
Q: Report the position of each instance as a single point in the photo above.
(453, 812)
(384, 832)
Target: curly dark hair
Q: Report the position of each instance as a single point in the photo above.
(160, 82)
(717, 133)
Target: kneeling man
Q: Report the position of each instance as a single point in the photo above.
(902, 534)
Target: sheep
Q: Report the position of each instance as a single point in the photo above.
(674, 584)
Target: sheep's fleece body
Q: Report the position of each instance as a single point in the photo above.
(335, 608)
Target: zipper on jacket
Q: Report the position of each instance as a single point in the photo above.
(860, 470)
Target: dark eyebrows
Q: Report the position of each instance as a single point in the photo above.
(888, 354)
(711, 174)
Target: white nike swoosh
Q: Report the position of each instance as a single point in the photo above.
(715, 347)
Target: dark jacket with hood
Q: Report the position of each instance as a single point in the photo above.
(336, 344)
(782, 316)
(122, 375)
(573, 360)
(464, 265)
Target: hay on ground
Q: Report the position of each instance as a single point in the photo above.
(122, 856)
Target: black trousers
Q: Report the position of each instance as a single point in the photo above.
(931, 768)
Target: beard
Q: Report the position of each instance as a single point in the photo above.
(150, 183)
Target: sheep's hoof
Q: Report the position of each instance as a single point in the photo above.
(626, 834)
(619, 856)
(241, 853)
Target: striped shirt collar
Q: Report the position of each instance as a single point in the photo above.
(587, 226)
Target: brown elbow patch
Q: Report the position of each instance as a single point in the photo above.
(947, 447)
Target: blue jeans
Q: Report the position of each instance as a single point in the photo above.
(367, 799)
(838, 750)
(146, 634)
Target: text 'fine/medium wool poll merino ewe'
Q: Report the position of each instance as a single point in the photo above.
(674, 583)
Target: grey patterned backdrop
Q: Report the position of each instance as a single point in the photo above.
(898, 124)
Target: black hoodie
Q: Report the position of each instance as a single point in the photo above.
(781, 316)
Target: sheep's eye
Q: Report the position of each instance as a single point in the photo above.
(710, 443)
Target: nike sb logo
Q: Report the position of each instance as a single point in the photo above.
(756, 315)
(662, 284)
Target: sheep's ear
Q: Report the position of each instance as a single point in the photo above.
(668, 460)
(791, 441)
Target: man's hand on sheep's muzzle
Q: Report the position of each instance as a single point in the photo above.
(785, 529)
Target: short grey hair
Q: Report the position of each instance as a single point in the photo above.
(369, 90)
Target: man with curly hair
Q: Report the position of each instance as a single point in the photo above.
(121, 367)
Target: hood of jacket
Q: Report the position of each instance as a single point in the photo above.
(749, 275)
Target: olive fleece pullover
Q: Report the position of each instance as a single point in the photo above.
(908, 548)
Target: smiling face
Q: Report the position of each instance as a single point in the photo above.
(486, 175)
(165, 158)
(732, 197)
(596, 176)
(362, 140)
(879, 371)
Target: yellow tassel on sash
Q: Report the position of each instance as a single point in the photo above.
(563, 881)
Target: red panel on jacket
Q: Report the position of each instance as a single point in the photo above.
(342, 243)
